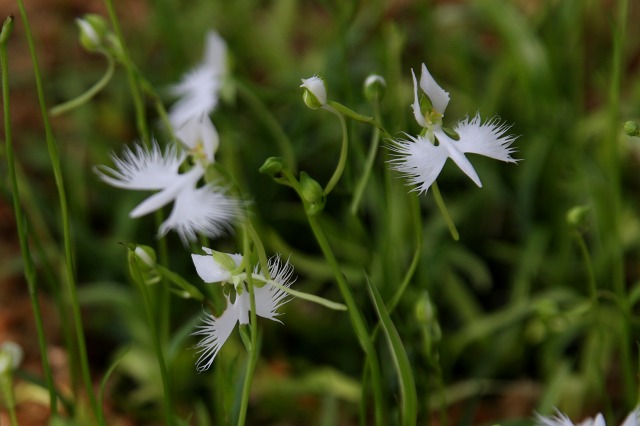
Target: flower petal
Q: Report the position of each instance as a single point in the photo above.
(456, 155)
(419, 160)
(211, 271)
(206, 210)
(633, 419)
(143, 169)
(269, 297)
(164, 197)
(438, 96)
(216, 331)
(198, 93)
(215, 53)
(317, 87)
(559, 419)
(417, 112)
(199, 132)
(485, 139)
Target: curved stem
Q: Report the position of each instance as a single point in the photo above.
(342, 161)
(86, 96)
(66, 228)
(371, 157)
(445, 213)
(357, 320)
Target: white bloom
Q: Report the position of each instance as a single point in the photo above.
(268, 298)
(421, 158)
(317, 87)
(206, 210)
(199, 89)
(560, 419)
(211, 270)
(200, 136)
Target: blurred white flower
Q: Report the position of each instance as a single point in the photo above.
(11, 355)
(421, 158)
(316, 87)
(268, 298)
(199, 136)
(206, 210)
(198, 90)
(561, 419)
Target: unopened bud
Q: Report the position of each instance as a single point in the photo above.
(632, 128)
(273, 166)
(93, 31)
(315, 92)
(7, 27)
(578, 216)
(311, 193)
(10, 357)
(374, 88)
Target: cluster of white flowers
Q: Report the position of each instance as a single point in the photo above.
(421, 158)
(561, 419)
(206, 209)
(216, 267)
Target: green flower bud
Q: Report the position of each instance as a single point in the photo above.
(375, 86)
(315, 92)
(311, 193)
(578, 216)
(10, 357)
(273, 166)
(93, 32)
(632, 128)
(7, 28)
(424, 310)
(142, 264)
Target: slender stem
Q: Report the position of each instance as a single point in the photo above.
(586, 257)
(253, 351)
(27, 260)
(357, 320)
(86, 96)
(66, 229)
(348, 112)
(445, 213)
(342, 161)
(157, 345)
(368, 167)
(134, 82)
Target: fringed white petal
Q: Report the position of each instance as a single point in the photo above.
(454, 152)
(486, 139)
(633, 419)
(215, 54)
(269, 297)
(419, 160)
(206, 211)
(199, 133)
(438, 96)
(168, 194)
(559, 419)
(417, 112)
(216, 331)
(143, 168)
(198, 95)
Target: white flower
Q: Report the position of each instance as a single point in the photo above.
(200, 136)
(560, 419)
(206, 210)
(421, 158)
(318, 89)
(268, 298)
(199, 89)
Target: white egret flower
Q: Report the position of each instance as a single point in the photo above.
(421, 158)
(315, 95)
(205, 210)
(198, 90)
(219, 267)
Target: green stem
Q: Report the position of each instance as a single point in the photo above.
(445, 213)
(262, 112)
(586, 257)
(134, 83)
(253, 350)
(348, 112)
(371, 157)
(27, 260)
(157, 345)
(342, 161)
(86, 96)
(357, 320)
(66, 229)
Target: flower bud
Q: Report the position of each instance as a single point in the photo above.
(578, 216)
(7, 27)
(10, 357)
(93, 31)
(315, 92)
(142, 264)
(273, 166)
(311, 193)
(632, 128)
(374, 88)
